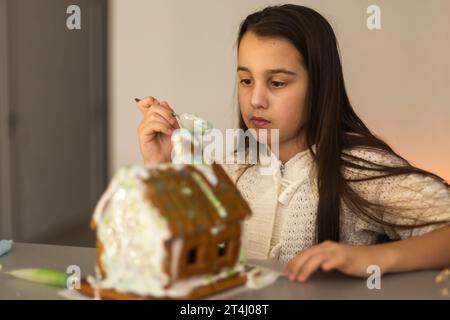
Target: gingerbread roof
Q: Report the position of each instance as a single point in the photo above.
(191, 203)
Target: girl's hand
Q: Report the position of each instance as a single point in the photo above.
(155, 130)
(329, 255)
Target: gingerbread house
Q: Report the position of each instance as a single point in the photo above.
(168, 231)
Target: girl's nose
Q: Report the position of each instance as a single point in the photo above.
(259, 97)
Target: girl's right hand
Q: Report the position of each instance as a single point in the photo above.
(155, 130)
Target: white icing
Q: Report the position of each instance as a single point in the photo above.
(177, 245)
(95, 285)
(193, 122)
(100, 207)
(133, 234)
(215, 230)
(186, 191)
(191, 133)
(258, 277)
(181, 147)
(184, 287)
(208, 172)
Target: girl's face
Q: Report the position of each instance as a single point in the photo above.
(272, 85)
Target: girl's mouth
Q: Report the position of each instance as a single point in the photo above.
(260, 122)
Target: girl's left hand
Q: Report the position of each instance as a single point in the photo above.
(349, 259)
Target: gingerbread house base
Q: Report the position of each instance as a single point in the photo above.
(198, 293)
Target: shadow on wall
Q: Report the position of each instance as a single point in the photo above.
(79, 235)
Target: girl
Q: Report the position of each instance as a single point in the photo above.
(342, 199)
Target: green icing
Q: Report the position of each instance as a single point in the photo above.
(210, 195)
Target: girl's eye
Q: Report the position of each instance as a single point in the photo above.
(246, 82)
(278, 84)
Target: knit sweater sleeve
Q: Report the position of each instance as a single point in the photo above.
(420, 202)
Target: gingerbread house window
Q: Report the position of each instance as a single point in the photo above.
(192, 256)
(195, 255)
(222, 249)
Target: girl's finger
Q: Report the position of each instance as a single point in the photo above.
(333, 263)
(311, 266)
(145, 103)
(155, 127)
(297, 262)
(155, 116)
(165, 104)
(164, 112)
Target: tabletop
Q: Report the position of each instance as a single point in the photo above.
(332, 285)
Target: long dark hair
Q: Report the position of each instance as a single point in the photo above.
(330, 121)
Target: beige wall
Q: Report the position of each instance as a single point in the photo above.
(398, 78)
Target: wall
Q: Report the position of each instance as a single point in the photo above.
(398, 78)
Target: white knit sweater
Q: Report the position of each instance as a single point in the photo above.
(284, 205)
